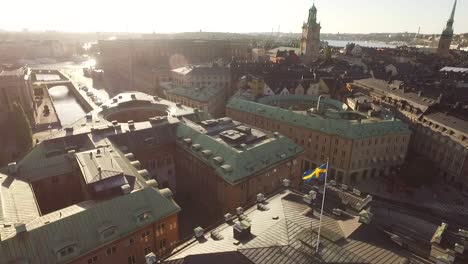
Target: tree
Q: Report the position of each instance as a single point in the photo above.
(22, 128)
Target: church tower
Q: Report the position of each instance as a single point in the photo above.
(310, 41)
(447, 35)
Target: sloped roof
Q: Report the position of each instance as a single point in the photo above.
(202, 69)
(289, 238)
(346, 128)
(17, 204)
(80, 224)
(237, 164)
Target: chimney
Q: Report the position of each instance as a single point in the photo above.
(199, 232)
(20, 228)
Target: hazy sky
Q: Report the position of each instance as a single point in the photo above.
(344, 16)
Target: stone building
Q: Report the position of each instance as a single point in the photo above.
(208, 75)
(223, 164)
(447, 35)
(358, 145)
(15, 85)
(439, 136)
(310, 41)
(208, 99)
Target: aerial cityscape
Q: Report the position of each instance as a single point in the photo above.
(184, 143)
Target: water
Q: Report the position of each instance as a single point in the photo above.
(67, 107)
(342, 43)
(47, 77)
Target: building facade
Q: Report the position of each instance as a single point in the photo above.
(209, 99)
(447, 35)
(310, 41)
(358, 146)
(15, 86)
(208, 75)
(223, 164)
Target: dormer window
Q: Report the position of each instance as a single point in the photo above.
(67, 251)
(108, 232)
(143, 217)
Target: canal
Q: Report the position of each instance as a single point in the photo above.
(67, 107)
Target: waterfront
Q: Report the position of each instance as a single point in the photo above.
(342, 43)
(67, 107)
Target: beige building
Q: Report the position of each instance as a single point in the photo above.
(358, 146)
(210, 99)
(440, 137)
(208, 75)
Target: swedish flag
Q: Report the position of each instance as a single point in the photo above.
(318, 173)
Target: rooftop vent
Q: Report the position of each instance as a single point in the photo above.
(188, 141)
(229, 217)
(130, 156)
(167, 193)
(242, 230)
(199, 232)
(357, 192)
(136, 164)
(152, 183)
(131, 124)
(115, 122)
(144, 174)
(179, 105)
(333, 183)
(276, 134)
(125, 188)
(115, 100)
(156, 98)
(239, 210)
(196, 147)
(69, 129)
(260, 198)
(286, 183)
(151, 258)
(207, 153)
(20, 228)
(120, 97)
(218, 160)
(227, 168)
(344, 187)
(12, 168)
(133, 96)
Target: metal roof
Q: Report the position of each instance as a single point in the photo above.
(238, 162)
(17, 204)
(288, 239)
(352, 129)
(80, 225)
(454, 69)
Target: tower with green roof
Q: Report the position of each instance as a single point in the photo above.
(310, 42)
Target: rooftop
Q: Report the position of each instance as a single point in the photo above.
(454, 69)
(343, 123)
(233, 149)
(285, 233)
(197, 94)
(84, 226)
(202, 69)
(393, 90)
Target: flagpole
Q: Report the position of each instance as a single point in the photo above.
(321, 211)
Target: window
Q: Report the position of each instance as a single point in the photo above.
(147, 250)
(92, 260)
(337, 141)
(131, 241)
(131, 259)
(55, 179)
(145, 234)
(108, 232)
(162, 243)
(111, 250)
(67, 251)
(144, 216)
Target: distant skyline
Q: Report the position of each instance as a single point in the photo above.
(242, 16)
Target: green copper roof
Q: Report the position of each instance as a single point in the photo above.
(303, 99)
(236, 165)
(351, 129)
(82, 225)
(197, 94)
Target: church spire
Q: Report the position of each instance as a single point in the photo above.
(452, 16)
